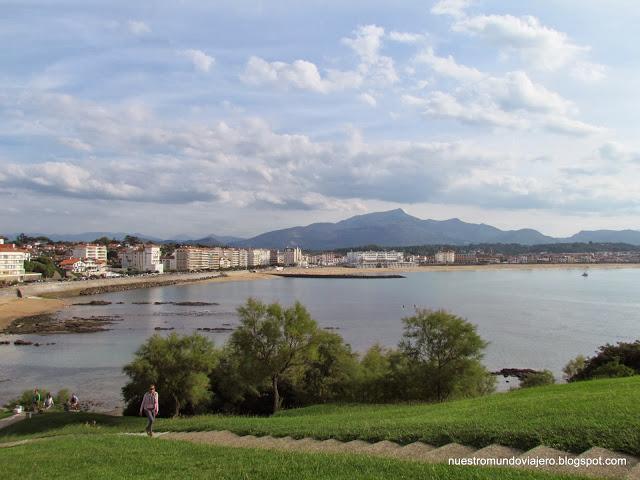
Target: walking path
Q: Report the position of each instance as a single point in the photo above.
(628, 467)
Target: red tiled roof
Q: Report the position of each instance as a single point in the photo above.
(69, 261)
(10, 247)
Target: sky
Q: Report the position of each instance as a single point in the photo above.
(234, 118)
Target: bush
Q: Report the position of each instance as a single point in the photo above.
(573, 367)
(613, 369)
(538, 379)
(627, 354)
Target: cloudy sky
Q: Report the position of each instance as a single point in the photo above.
(191, 117)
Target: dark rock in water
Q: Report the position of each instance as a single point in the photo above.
(331, 328)
(22, 342)
(164, 328)
(119, 303)
(47, 324)
(140, 303)
(5, 342)
(519, 373)
(94, 303)
(215, 329)
(194, 304)
(187, 304)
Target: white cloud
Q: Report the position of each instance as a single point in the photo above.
(138, 27)
(540, 46)
(299, 74)
(511, 100)
(75, 144)
(405, 37)
(366, 43)
(454, 8)
(200, 60)
(447, 66)
(368, 99)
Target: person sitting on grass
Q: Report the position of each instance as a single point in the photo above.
(48, 401)
(35, 400)
(149, 406)
(74, 403)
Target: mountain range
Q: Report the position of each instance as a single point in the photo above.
(390, 228)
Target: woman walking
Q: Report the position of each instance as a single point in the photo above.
(149, 406)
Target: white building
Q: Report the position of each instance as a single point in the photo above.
(143, 258)
(190, 259)
(12, 261)
(89, 250)
(446, 256)
(374, 259)
(293, 256)
(258, 257)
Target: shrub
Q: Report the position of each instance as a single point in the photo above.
(612, 369)
(624, 353)
(538, 379)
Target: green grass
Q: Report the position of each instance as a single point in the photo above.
(5, 413)
(574, 417)
(110, 456)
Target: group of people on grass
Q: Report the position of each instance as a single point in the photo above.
(149, 406)
(72, 405)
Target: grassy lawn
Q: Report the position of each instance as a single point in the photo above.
(95, 457)
(5, 413)
(574, 417)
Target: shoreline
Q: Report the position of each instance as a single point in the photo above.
(346, 272)
(51, 297)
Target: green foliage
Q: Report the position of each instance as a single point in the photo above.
(627, 354)
(445, 352)
(25, 398)
(612, 369)
(538, 379)
(573, 367)
(43, 265)
(179, 366)
(271, 341)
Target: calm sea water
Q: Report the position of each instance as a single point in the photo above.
(532, 319)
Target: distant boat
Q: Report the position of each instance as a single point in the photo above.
(585, 274)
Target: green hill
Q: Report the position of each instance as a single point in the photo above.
(573, 417)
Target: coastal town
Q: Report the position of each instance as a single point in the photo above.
(35, 259)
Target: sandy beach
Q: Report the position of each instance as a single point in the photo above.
(50, 297)
(12, 308)
(330, 271)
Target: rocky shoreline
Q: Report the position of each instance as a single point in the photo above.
(50, 324)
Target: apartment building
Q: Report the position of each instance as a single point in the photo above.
(189, 259)
(144, 258)
(445, 256)
(258, 257)
(12, 261)
(374, 258)
(293, 256)
(89, 250)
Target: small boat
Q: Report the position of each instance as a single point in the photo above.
(585, 274)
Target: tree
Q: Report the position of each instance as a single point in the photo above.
(178, 365)
(445, 352)
(538, 379)
(271, 340)
(573, 367)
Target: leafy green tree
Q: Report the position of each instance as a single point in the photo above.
(445, 352)
(271, 341)
(573, 367)
(179, 366)
(538, 379)
(131, 240)
(330, 373)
